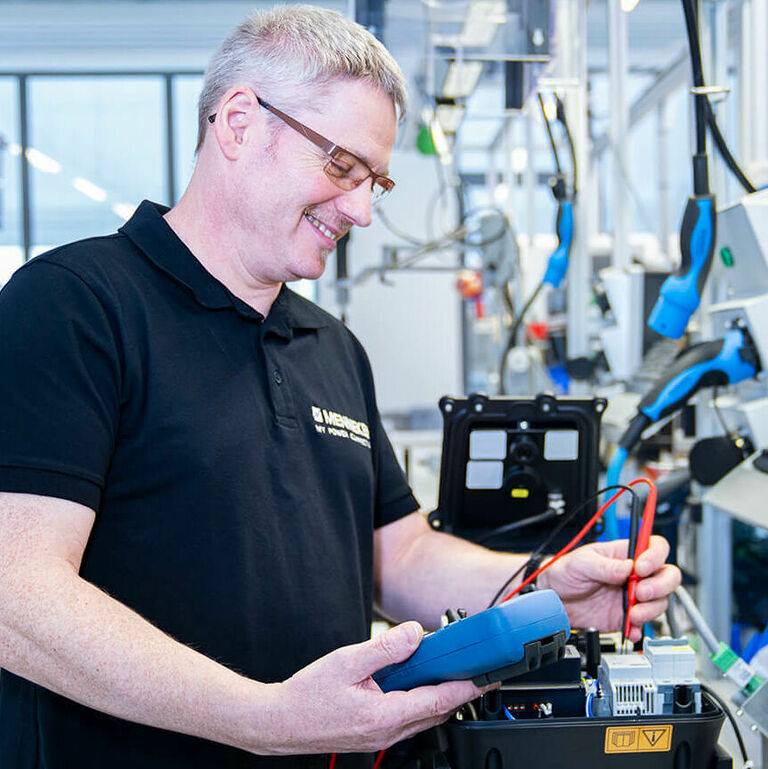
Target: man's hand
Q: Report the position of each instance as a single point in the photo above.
(589, 581)
(333, 705)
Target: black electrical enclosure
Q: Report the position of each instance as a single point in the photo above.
(507, 462)
(645, 742)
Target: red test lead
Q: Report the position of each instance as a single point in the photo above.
(643, 541)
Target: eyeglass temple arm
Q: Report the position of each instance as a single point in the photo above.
(319, 141)
(326, 145)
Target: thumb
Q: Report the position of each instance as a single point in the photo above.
(395, 645)
(605, 569)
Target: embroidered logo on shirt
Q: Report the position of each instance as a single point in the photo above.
(332, 423)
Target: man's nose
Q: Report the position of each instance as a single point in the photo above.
(355, 204)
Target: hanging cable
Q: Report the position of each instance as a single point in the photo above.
(725, 152)
(727, 711)
(513, 334)
(563, 120)
(461, 234)
(557, 265)
(552, 144)
(719, 414)
(705, 116)
(650, 505)
(549, 515)
(680, 295)
(700, 171)
(566, 519)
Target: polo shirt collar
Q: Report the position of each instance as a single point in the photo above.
(290, 311)
(154, 236)
(149, 231)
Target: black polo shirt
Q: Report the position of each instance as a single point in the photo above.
(237, 466)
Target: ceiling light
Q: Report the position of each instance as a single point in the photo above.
(482, 20)
(629, 5)
(89, 189)
(123, 210)
(42, 162)
(519, 159)
(450, 115)
(461, 78)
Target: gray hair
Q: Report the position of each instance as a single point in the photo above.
(289, 51)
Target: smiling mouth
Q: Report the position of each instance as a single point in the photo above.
(320, 227)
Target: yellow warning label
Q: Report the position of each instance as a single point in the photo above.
(638, 739)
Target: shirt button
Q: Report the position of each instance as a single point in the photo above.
(276, 376)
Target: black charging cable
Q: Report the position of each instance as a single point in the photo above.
(549, 515)
(727, 711)
(634, 532)
(705, 116)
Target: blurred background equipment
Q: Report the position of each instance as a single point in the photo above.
(513, 469)
(641, 325)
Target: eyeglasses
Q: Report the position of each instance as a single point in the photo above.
(343, 168)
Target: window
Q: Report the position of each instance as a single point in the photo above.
(96, 149)
(11, 252)
(186, 89)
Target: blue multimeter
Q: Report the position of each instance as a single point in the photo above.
(507, 640)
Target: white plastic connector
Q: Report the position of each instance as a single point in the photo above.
(627, 681)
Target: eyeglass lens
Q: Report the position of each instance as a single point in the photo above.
(347, 172)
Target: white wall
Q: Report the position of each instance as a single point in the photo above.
(411, 329)
(50, 36)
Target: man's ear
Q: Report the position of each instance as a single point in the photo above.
(238, 121)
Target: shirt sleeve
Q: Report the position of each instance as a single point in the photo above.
(60, 386)
(394, 496)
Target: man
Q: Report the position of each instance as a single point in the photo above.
(188, 565)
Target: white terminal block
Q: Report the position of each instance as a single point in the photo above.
(644, 684)
(626, 680)
(672, 659)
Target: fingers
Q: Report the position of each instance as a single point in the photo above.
(663, 582)
(653, 558)
(395, 645)
(604, 565)
(348, 712)
(429, 706)
(421, 726)
(652, 595)
(642, 613)
(610, 565)
(436, 701)
(413, 711)
(645, 612)
(614, 548)
(652, 592)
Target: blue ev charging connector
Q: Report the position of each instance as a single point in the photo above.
(557, 266)
(728, 360)
(680, 295)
